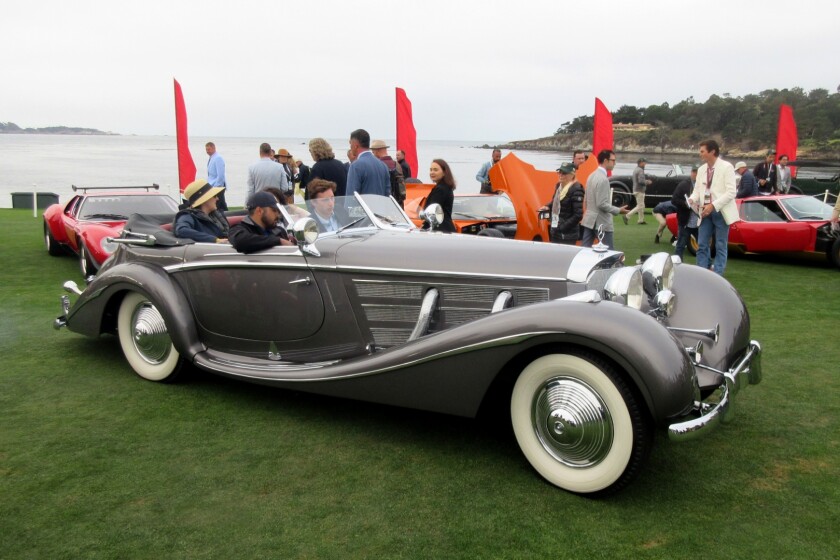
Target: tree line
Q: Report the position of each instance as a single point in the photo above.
(750, 121)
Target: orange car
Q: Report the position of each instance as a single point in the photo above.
(479, 214)
(516, 183)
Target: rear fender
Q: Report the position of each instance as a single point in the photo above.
(94, 311)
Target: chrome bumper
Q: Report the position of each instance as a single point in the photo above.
(746, 372)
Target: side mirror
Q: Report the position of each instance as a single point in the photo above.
(433, 215)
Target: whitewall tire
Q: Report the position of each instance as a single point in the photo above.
(145, 341)
(579, 424)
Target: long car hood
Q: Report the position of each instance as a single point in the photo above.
(463, 254)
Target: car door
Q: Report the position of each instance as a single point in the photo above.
(69, 220)
(766, 228)
(265, 296)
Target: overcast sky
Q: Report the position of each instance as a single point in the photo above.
(474, 70)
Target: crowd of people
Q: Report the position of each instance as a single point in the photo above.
(704, 204)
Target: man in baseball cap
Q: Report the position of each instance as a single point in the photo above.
(259, 230)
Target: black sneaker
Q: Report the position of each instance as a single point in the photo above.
(656, 239)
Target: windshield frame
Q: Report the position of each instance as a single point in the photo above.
(362, 212)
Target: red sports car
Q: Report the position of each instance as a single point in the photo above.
(783, 224)
(84, 222)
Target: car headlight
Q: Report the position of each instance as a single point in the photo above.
(658, 273)
(107, 246)
(625, 286)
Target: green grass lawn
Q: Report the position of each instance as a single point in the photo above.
(98, 463)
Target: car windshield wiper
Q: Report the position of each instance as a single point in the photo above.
(105, 217)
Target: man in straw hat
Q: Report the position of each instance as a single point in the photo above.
(198, 218)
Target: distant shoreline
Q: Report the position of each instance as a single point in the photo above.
(12, 128)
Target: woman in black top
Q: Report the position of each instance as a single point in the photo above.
(442, 193)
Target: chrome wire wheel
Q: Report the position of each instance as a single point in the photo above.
(145, 340)
(579, 424)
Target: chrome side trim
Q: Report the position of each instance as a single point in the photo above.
(426, 309)
(276, 367)
(447, 273)
(349, 269)
(233, 264)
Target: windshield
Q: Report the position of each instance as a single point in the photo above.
(344, 213)
(120, 207)
(806, 208)
(484, 207)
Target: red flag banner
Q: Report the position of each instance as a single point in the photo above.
(787, 140)
(406, 135)
(186, 166)
(602, 133)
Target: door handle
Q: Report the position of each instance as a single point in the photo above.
(306, 281)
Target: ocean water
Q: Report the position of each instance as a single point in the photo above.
(53, 163)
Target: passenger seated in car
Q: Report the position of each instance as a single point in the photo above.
(198, 218)
(294, 211)
(260, 229)
(322, 203)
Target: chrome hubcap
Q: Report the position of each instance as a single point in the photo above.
(148, 331)
(572, 422)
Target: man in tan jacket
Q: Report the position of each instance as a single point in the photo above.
(714, 199)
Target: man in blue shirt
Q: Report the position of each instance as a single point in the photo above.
(216, 172)
(367, 174)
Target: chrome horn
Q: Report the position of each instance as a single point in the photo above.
(714, 333)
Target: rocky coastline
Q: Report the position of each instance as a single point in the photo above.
(12, 128)
(630, 142)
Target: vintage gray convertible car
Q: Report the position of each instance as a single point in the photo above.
(588, 356)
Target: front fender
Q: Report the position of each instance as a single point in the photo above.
(95, 311)
(705, 299)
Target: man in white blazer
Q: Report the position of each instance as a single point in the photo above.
(714, 198)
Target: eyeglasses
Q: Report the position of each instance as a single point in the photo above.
(613, 160)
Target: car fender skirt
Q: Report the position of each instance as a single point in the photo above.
(102, 296)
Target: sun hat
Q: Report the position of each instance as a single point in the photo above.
(739, 165)
(283, 152)
(566, 168)
(199, 191)
(378, 145)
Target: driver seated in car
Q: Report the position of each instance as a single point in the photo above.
(260, 229)
(322, 203)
